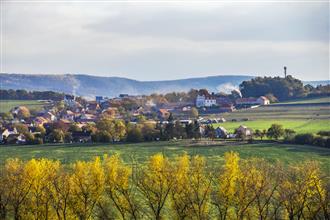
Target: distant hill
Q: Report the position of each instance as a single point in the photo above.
(89, 86)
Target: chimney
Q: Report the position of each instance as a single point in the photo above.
(285, 72)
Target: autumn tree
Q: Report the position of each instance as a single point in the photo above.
(87, 184)
(155, 181)
(226, 191)
(119, 187)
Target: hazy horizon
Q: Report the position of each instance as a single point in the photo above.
(166, 41)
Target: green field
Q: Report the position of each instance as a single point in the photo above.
(302, 115)
(7, 105)
(289, 112)
(213, 151)
(309, 100)
(299, 125)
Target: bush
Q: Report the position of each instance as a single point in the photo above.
(324, 133)
(135, 135)
(320, 141)
(304, 138)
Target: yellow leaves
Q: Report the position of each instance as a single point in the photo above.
(183, 188)
(87, 183)
(117, 174)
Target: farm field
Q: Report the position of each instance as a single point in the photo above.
(213, 151)
(309, 100)
(299, 125)
(7, 105)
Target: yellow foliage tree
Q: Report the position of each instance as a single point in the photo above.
(41, 174)
(119, 188)
(155, 181)
(227, 185)
(87, 182)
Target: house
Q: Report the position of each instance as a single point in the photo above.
(40, 121)
(50, 116)
(68, 115)
(93, 107)
(86, 118)
(262, 100)
(21, 139)
(99, 99)
(227, 107)
(221, 132)
(244, 131)
(163, 113)
(69, 100)
(8, 132)
(205, 99)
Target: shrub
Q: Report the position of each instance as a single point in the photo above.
(304, 138)
(134, 135)
(320, 141)
(324, 133)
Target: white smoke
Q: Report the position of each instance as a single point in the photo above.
(227, 88)
(74, 83)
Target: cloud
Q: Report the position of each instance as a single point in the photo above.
(150, 42)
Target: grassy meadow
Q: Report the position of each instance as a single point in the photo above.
(301, 115)
(213, 151)
(7, 105)
(299, 125)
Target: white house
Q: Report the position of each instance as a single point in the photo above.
(205, 101)
(69, 100)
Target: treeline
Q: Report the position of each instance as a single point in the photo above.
(21, 94)
(276, 131)
(282, 88)
(181, 188)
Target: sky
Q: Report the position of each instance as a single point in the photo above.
(145, 40)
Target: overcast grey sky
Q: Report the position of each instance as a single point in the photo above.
(149, 41)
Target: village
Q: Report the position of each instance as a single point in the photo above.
(74, 119)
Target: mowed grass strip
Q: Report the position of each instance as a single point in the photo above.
(138, 153)
(300, 126)
(7, 105)
(309, 112)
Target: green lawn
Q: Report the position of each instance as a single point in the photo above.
(213, 151)
(7, 105)
(300, 126)
(308, 100)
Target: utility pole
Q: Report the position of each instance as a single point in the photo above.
(285, 72)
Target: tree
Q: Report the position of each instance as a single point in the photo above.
(87, 184)
(23, 112)
(41, 174)
(288, 133)
(275, 131)
(257, 133)
(281, 88)
(21, 128)
(116, 129)
(57, 136)
(194, 112)
(18, 186)
(155, 181)
(226, 190)
(118, 187)
(29, 138)
(302, 192)
(74, 128)
(210, 132)
(134, 135)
